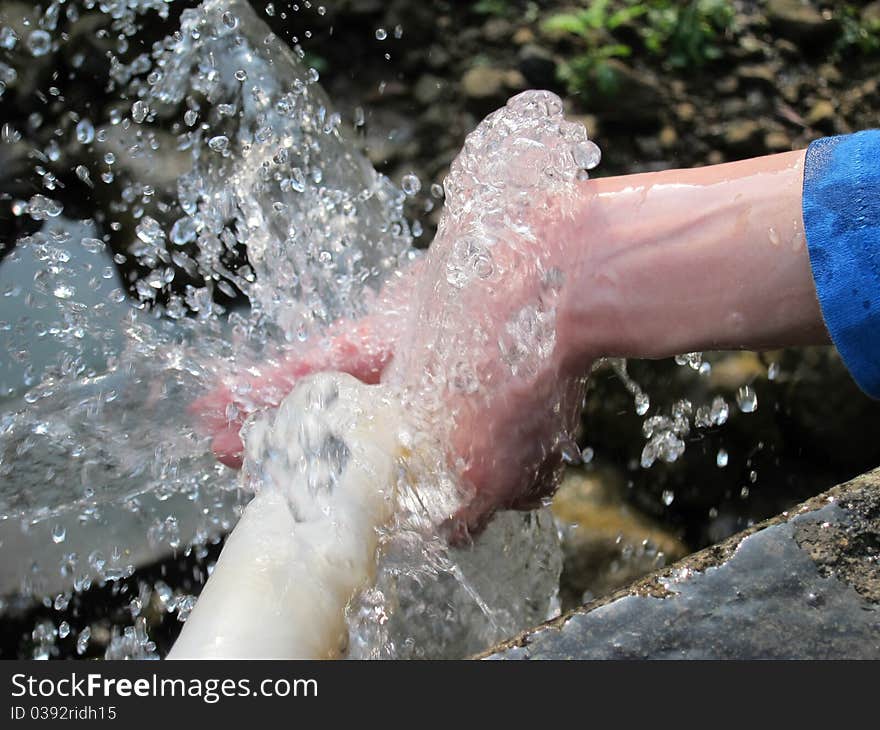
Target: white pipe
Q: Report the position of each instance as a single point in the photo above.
(326, 463)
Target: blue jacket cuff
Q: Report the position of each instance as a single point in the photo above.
(841, 208)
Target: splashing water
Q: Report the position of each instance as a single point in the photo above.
(249, 225)
(231, 224)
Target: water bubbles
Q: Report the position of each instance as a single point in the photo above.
(8, 38)
(587, 155)
(229, 20)
(240, 75)
(721, 458)
(39, 43)
(381, 34)
(410, 184)
(149, 230)
(694, 360)
(667, 497)
(183, 231)
(59, 533)
(43, 636)
(190, 117)
(747, 399)
(642, 403)
(85, 132)
(41, 208)
(773, 371)
(714, 415)
(82, 641)
(220, 143)
(82, 172)
(139, 111)
(63, 630)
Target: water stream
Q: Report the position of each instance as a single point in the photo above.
(254, 225)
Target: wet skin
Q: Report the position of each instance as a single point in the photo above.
(645, 265)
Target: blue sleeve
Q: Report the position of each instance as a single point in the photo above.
(841, 207)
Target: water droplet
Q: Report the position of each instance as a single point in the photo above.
(410, 184)
(381, 34)
(41, 208)
(59, 533)
(39, 43)
(82, 172)
(183, 231)
(219, 143)
(722, 458)
(747, 399)
(139, 111)
(773, 371)
(82, 641)
(8, 38)
(642, 402)
(668, 497)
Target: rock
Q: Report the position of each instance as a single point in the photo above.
(752, 47)
(761, 73)
(686, 111)
(800, 22)
(871, 15)
(822, 115)
(484, 82)
(743, 136)
(438, 57)
(787, 48)
(634, 98)
(668, 137)
(734, 369)
(538, 66)
(429, 89)
(830, 73)
(804, 585)
(606, 542)
(777, 142)
(522, 36)
(727, 84)
(497, 29)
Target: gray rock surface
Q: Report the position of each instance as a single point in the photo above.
(804, 585)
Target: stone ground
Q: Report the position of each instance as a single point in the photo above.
(804, 585)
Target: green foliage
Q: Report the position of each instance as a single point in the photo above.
(594, 20)
(313, 60)
(687, 33)
(498, 8)
(858, 34)
(684, 33)
(593, 26)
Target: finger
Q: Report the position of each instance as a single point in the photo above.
(227, 446)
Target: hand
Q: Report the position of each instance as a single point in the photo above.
(474, 336)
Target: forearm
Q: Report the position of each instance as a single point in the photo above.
(690, 260)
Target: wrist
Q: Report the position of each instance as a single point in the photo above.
(686, 260)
